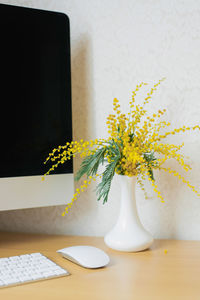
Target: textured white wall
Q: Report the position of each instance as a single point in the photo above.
(115, 44)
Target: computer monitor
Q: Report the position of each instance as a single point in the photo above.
(36, 114)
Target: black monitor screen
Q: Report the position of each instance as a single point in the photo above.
(35, 89)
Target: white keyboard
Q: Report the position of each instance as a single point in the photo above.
(21, 269)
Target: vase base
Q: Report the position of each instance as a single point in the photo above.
(128, 248)
(128, 241)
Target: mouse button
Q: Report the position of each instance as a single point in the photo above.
(87, 256)
(67, 256)
(78, 253)
(94, 258)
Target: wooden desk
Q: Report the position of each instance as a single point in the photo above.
(149, 275)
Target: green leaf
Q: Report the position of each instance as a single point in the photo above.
(103, 187)
(150, 171)
(91, 163)
(131, 136)
(149, 157)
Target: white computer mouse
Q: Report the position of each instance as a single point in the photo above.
(86, 256)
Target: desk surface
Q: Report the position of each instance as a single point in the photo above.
(147, 275)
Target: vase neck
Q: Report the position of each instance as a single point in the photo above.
(128, 208)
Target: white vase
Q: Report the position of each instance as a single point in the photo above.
(128, 234)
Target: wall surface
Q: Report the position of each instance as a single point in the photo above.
(116, 44)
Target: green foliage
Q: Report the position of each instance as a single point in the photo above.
(103, 187)
(151, 162)
(149, 157)
(91, 164)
